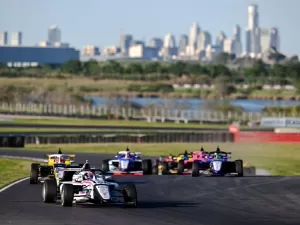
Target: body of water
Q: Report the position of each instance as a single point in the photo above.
(192, 103)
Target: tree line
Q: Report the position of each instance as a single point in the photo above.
(258, 73)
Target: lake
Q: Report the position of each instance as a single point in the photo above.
(193, 103)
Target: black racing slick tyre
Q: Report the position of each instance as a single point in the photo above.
(34, 173)
(195, 169)
(105, 166)
(67, 195)
(130, 195)
(165, 168)
(180, 167)
(239, 168)
(147, 167)
(49, 191)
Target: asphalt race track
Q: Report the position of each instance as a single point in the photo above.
(164, 200)
(124, 128)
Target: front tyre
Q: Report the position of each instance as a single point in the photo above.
(105, 165)
(49, 191)
(67, 195)
(195, 169)
(239, 168)
(34, 173)
(180, 167)
(130, 195)
(147, 167)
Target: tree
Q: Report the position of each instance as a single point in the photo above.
(72, 66)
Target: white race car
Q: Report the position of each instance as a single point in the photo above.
(89, 185)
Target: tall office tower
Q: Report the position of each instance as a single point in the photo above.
(248, 41)
(3, 38)
(156, 43)
(125, 40)
(265, 39)
(237, 41)
(275, 41)
(169, 47)
(183, 43)
(229, 46)
(253, 39)
(204, 39)
(54, 34)
(237, 33)
(220, 39)
(16, 38)
(253, 17)
(169, 41)
(193, 35)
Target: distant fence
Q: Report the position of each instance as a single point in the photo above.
(151, 115)
(12, 141)
(132, 138)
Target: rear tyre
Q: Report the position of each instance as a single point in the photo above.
(180, 167)
(105, 165)
(195, 169)
(147, 167)
(34, 173)
(67, 195)
(49, 191)
(165, 168)
(239, 168)
(130, 195)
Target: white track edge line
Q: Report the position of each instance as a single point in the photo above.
(13, 183)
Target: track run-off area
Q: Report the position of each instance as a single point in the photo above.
(163, 200)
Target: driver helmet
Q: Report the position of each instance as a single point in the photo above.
(88, 175)
(56, 160)
(127, 155)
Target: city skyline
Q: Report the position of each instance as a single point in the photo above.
(176, 26)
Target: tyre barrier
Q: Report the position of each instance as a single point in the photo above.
(12, 141)
(131, 138)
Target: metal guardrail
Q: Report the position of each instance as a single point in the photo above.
(132, 138)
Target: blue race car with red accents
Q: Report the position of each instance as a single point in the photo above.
(128, 163)
(217, 164)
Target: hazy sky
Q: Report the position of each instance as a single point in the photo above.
(100, 22)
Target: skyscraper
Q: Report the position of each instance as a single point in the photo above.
(275, 39)
(54, 34)
(16, 38)
(183, 43)
(253, 32)
(253, 17)
(156, 43)
(125, 40)
(204, 39)
(3, 38)
(193, 35)
(237, 33)
(220, 39)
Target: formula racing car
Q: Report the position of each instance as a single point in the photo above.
(182, 164)
(40, 172)
(89, 186)
(217, 164)
(128, 163)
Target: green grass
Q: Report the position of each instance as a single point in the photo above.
(141, 124)
(12, 170)
(278, 159)
(45, 130)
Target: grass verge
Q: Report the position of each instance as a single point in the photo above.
(45, 130)
(124, 123)
(278, 159)
(13, 169)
